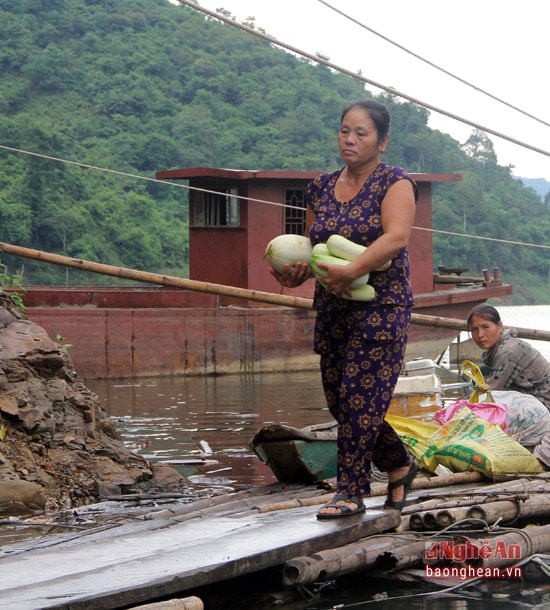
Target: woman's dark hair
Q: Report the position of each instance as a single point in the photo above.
(377, 112)
(486, 312)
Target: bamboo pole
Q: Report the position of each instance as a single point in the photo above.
(428, 520)
(379, 489)
(394, 553)
(244, 503)
(446, 518)
(415, 521)
(402, 557)
(532, 483)
(293, 496)
(156, 278)
(438, 322)
(462, 498)
(516, 507)
(507, 549)
(342, 560)
(449, 516)
(447, 509)
(454, 478)
(223, 290)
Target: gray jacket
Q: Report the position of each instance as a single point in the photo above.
(516, 362)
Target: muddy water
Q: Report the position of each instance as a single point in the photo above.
(187, 419)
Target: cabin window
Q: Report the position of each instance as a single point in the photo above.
(295, 212)
(219, 209)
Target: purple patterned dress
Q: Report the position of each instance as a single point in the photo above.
(361, 344)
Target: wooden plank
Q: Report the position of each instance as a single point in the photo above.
(135, 562)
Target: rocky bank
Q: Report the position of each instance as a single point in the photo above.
(58, 447)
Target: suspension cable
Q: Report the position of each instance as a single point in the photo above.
(391, 90)
(431, 64)
(249, 199)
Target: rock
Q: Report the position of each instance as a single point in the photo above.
(165, 476)
(6, 318)
(9, 405)
(21, 498)
(60, 447)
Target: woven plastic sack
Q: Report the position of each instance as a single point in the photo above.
(528, 417)
(465, 443)
(414, 433)
(493, 412)
(468, 442)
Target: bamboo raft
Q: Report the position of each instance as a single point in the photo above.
(179, 550)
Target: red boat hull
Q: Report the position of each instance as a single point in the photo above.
(140, 332)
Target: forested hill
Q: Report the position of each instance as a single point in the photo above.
(540, 185)
(137, 86)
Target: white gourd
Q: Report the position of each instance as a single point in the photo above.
(339, 245)
(288, 249)
(320, 248)
(362, 293)
(320, 273)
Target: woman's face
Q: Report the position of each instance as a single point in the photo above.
(358, 138)
(484, 332)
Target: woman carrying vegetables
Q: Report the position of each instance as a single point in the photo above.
(362, 344)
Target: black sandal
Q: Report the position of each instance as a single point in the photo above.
(406, 482)
(345, 511)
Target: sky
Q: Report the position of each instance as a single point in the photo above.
(499, 46)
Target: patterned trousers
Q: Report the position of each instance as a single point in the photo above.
(362, 352)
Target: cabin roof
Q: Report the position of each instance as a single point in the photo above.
(246, 174)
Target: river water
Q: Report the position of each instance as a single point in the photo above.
(204, 425)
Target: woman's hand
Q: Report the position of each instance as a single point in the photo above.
(338, 279)
(291, 277)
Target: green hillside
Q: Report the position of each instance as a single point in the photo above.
(138, 86)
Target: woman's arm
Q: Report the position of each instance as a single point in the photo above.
(398, 210)
(516, 362)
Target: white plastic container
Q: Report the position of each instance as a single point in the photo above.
(420, 366)
(417, 397)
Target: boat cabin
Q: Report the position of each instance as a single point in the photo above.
(233, 214)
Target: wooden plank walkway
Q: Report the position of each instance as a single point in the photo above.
(139, 561)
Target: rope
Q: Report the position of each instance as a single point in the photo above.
(203, 190)
(128, 175)
(542, 565)
(502, 241)
(391, 90)
(431, 64)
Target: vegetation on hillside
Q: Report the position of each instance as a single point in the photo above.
(137, 86)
